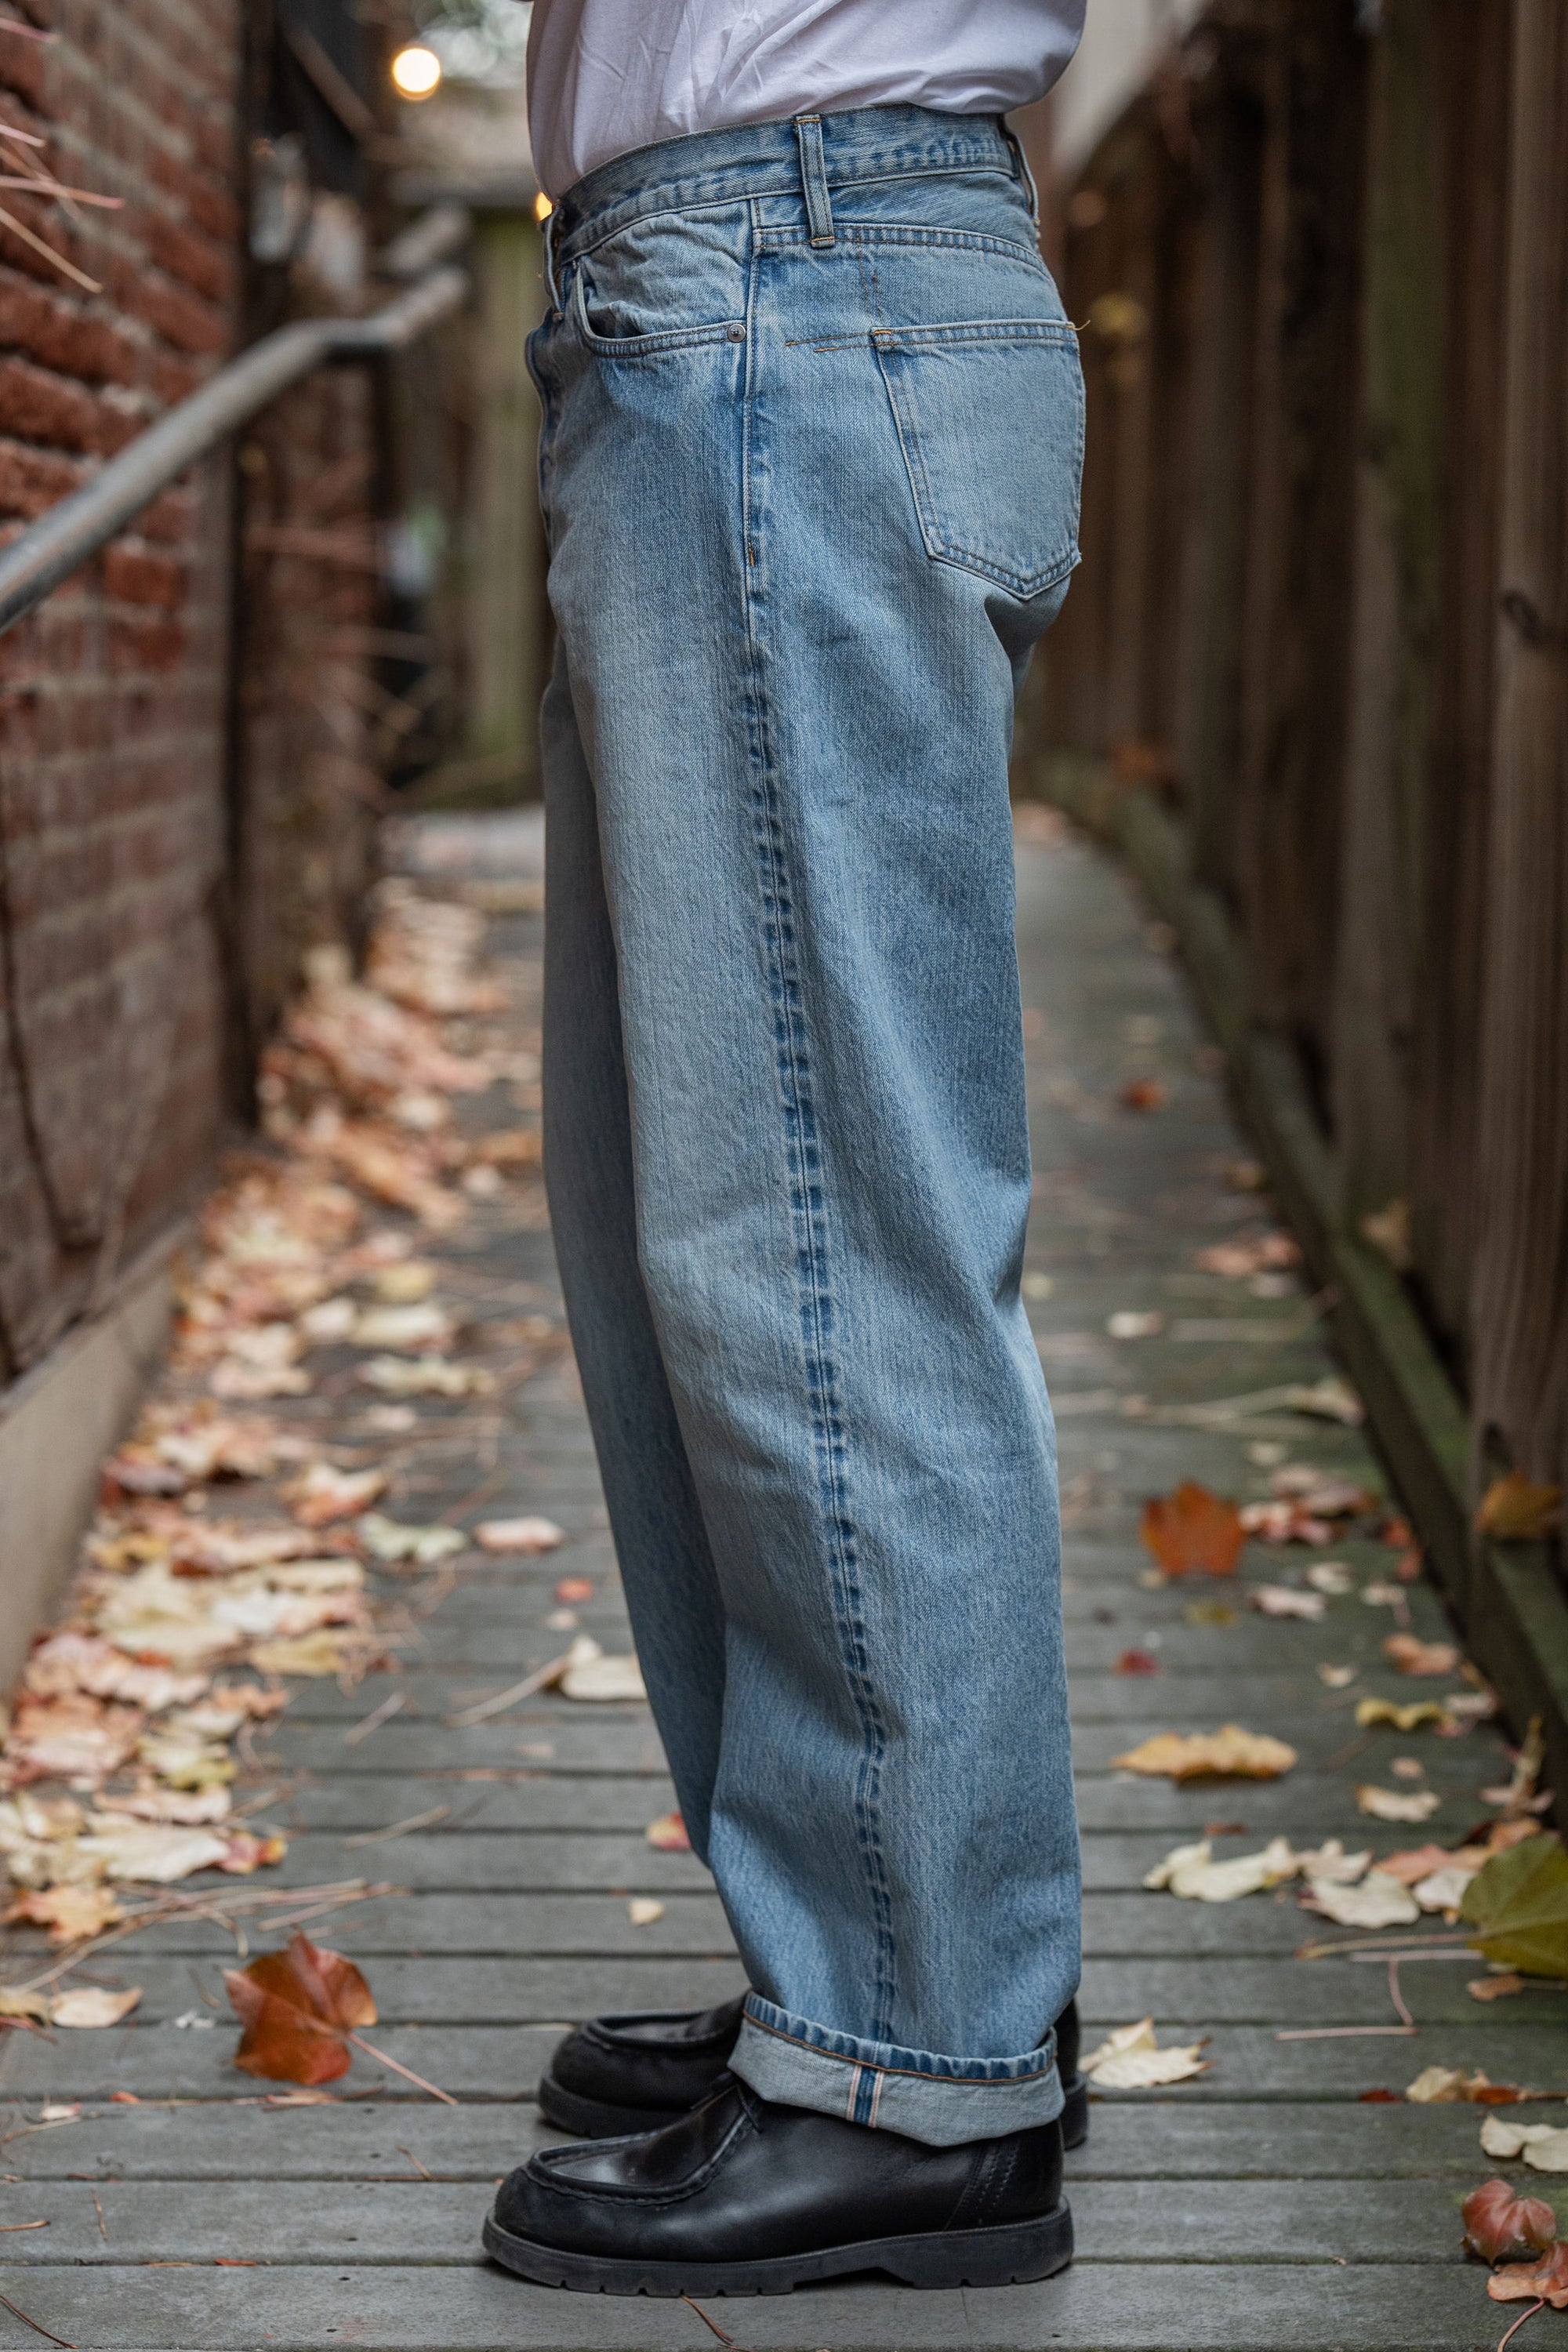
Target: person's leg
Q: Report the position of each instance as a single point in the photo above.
(661, 1544)
(791, 663)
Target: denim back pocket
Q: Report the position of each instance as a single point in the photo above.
(990, 418)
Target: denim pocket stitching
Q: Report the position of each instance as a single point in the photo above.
(634, 347)
(938, 545)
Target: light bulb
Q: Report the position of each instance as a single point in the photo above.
(416, 71)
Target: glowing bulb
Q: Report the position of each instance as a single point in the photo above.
(416, 72)
(542, 208)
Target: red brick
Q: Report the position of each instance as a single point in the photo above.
(132, 576)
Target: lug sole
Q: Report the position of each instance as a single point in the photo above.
(1075, 2114)
(599, 2119)
(1011, 2255)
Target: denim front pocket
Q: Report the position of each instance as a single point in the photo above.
(990, 417)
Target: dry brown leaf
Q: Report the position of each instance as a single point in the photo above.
(1449, 2085)
(1499, 1988)
(73, 1738)
(1372, 1711)
(1414, 1657)
(95, 2005)
(1196, 1755)
(322, 1493)
(1131, 2059)
(524, 1534)
(644, 1910)
(1544, 2282)
(1501, 2226)
(299, 2008)
(1136, 1661)
(1378, 1901)
(1145, 1094)
(1284, 1600)
(573, 1590)
(72, 1915)
(1515, 1509)
(668, 1834)
(1193, 1529)
(1271, 1252)
(1544, 2147)
(1396, 1804)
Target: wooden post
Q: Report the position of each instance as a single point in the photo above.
(1521, 1298)
(1395, 596)
(505, 627)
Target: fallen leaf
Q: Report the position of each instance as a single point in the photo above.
(1284, 1600)
(1191, 1872)
(643, 1910)
(668, 1834)
(1209, 1613)
(1132, 1323)
(1188, 1755)
(1193, 1528)
(1396, 1804)
(1131, 2059)
(322, 1493)
(413, 1329)
(1337, 1677)
(74, 1736)
(1521, 1794)
(35, 2006)
(601, 1678)
(1371, 1711)
(1544, 2147)
(1515, 1509)
(392, 1540)
(1378, 1901)
(71, 1914)
(1546, 2281)
(90, 2005)
(1237, 1260)
(1418, 1862)
(1329, 1399)
(1414, 1657)
(573, 1589)
(1283, 1523)
(528, 1535)
(425, 1376)
(1145, 1094)
(1450, 2085)
(1518, 1903)
(1498, 1988)
(325, 1651)
(1136, 1661)
(297, 2008)
(1332, 1577)
(1501, 2226)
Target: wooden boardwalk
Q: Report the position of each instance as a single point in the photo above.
(1264, 2205)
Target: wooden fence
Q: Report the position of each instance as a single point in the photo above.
(1313, 675)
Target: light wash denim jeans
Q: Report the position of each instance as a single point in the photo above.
(810, 471)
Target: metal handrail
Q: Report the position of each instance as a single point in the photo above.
(63, 538)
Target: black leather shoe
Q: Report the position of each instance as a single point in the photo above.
(638, 2071)
(633, 2072)
(747, 2197)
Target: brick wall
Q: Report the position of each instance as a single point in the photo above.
(126, 927)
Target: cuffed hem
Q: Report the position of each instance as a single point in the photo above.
(944, 2102)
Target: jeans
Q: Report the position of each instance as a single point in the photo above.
(812, 423)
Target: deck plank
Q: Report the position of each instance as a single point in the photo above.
(1264, 2208)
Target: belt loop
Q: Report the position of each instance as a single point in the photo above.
(1024, 172)
(550, 220)
(814, 179)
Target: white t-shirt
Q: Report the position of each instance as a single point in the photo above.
(607, 76)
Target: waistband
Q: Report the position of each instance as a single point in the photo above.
(760, 159)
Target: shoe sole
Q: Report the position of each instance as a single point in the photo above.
(1009, 2256)
(597, 2118)
(1075, 2114)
